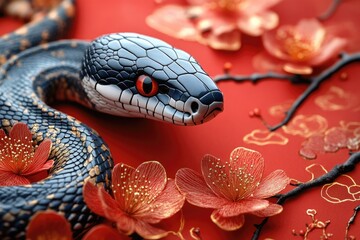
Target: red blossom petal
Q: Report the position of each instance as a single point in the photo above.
(39, 162)
(121, 175)
(230, 41)
(169, 202)
(264, 62)
(271, 184)
(256, 6)
(256, 25)
(248, 167)
(271, 210)
(147, 231)
(126, 224)
(12, 179)
(103, 232)
(273, 45)
(311, 30)
(227, 223)
(301, 69)
(49, 225)
(196, 190)
(174, 21)
(241, 207)
(99, 201)
(146, 182)
(20, 131)
(329, 50)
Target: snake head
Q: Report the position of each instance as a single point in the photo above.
(134, 75)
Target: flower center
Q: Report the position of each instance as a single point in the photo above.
(296, 46)
(138, 192)
(227, 5)
(15, 155)
(235, 183)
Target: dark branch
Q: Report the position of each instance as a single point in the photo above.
(328, 177)
(254, 78)
(315, 82)
(330, 11)
(352, 220)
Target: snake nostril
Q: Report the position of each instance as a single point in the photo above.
(194, 107)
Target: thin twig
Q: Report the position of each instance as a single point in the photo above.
(315, 82)
(351, 221)
(328, 177)
(330, 11)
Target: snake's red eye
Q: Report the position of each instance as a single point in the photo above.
(147, 86)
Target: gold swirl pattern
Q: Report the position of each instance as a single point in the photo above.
(280, 109)
(345, 189)
(306, 126)
(336, 99)
(265, 137)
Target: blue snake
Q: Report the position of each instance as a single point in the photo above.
(123, 74)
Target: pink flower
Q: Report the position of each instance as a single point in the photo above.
(233, 188)
(300, 48)
(19, 159)
(48, 225)
(141, 197)
(217, 23)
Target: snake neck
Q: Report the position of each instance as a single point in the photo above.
(49, 73)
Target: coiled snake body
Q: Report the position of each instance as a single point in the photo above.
(122, 74)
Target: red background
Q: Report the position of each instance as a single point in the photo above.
(133, 141)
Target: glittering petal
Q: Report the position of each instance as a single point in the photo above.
(174, 21)
(243, 206)
(255, 25)
(271, 184)
(169, 202)
(216, 175)
(147, 231)
(271, 210)
(12, 179)
(122, 174)
(92, 199)
(247, 166)
(49, 225)
(328, 51)
(227, 223)
(103, 232)
(297, 68)
(20, 131)
(196, 190)
(229, 41)
(100, 202)
(39, 160)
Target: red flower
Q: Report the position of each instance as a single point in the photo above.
(141, 197)
(216, 23)
(298, 49)
(233, 188)
(48, 225)
(19, 159)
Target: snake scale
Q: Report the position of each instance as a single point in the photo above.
(123, 74)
